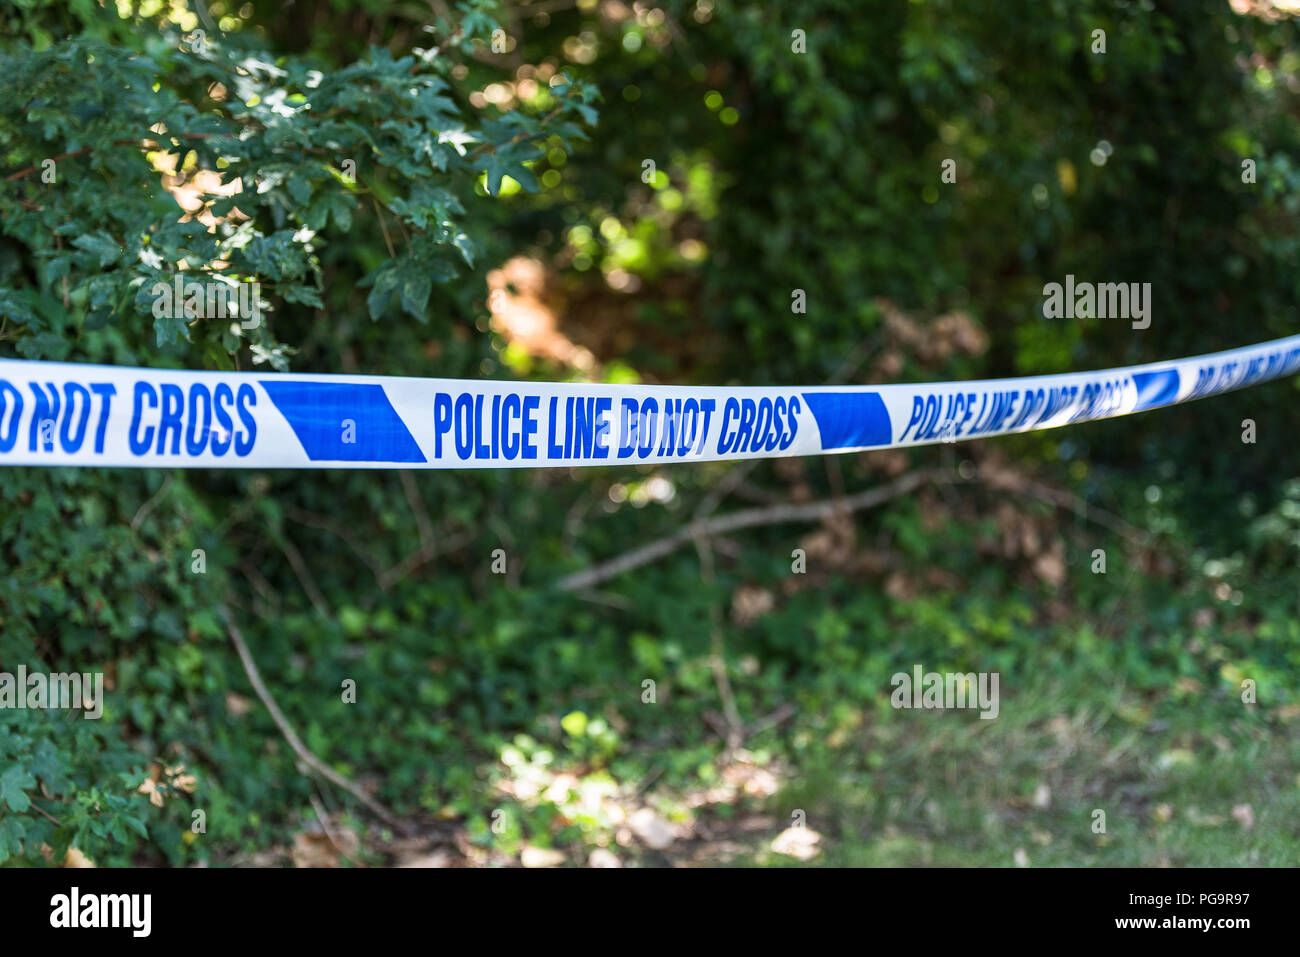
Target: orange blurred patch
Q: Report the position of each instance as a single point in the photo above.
(520, 315)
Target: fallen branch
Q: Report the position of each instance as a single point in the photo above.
(300, 749)
(705, 528)
(749, 518)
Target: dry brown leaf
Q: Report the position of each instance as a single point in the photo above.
(75, 858)
(316, 849)
(798, 842)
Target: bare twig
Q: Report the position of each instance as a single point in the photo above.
(260, 584)
(573, 520)
(735, 730)
(143, 511)
(779, 716)
(58, 245)
(36, 807)
(602, 598)
(417, 558)
(311, 519)
(834, 477)
(303, 574)
(1089, 513)
(201, 9)
(383, 227)
(422, 520)
(27, 171)
(854, 360)
(145, 144)
(428, 549)
(730, 482)
(324, 819)
(295, 743)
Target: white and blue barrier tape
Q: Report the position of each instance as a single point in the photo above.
(73, 414)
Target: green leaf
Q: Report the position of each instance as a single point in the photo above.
(169, 329)
(300, 292)
(466, 247)
(300, 189)
(12, 831)
(102, 245)
(218, 357)
(507, 162)
(14, 784)
(416, 285)
(385, 281)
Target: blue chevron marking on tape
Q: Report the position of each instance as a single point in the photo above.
(850, 420)
(343, 421)
(1155, 389)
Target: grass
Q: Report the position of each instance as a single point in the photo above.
(932, 788)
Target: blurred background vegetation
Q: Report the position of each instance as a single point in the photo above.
(500, 719)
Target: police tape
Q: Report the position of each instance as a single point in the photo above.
(90, 415)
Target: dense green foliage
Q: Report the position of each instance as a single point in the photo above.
(775, 171)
